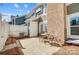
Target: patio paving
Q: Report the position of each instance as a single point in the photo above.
(33, 46)
(68, 50)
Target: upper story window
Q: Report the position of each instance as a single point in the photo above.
(39, 11)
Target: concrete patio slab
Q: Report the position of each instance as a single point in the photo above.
(33, 46)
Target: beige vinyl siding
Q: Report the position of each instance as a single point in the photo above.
(73, 8)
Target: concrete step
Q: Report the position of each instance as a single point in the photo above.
(75, 41)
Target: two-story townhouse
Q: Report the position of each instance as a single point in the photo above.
(37, 20)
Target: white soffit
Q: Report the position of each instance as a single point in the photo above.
(68, 4)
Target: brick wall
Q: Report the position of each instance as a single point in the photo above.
(56, 20)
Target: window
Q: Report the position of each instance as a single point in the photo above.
(74, 25)
(39, 11)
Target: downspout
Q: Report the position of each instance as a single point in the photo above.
(28, 30)
(38, 27)
(65, 29)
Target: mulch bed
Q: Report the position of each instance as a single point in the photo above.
(13, 51)
(10, 40)
(68, 50)
(21, 37)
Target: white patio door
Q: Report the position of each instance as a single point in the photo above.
(33, 29)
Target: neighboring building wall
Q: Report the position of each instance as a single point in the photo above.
(12, 20)
(55, 18)
(20, 20)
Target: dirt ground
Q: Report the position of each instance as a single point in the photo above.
(13, 51)
(68, 50)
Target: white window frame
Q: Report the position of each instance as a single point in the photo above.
(69, 27)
